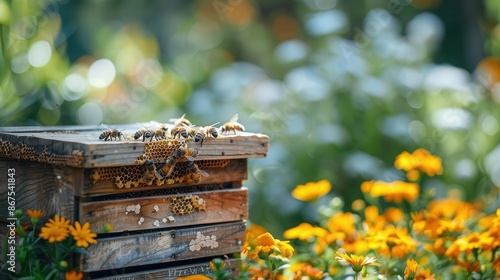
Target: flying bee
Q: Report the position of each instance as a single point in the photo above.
(204, 132)
(168, 167)
(151, 173)
(184, 131)
(181, 121)
(232, 125)
(110, 134)
(195, 172)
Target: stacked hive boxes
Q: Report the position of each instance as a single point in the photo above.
(164, 226)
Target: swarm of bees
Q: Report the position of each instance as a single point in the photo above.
(180, 129)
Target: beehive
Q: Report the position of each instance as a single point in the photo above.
(166, 226)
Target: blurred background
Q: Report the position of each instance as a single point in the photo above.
(340, 87)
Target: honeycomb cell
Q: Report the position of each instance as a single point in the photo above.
(21, 151)
(187, 204)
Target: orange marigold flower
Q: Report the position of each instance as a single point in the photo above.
(61, 222)
(342, 224)
(392, 191)
(357, 262)
(469, 243)
(82, 234)
(285, 248)
(424, 274)
(35, 215)
(421, 160)
(304, 231)
(53, 233)
(413, 175)
(411, 269)
(73, 275)
(392, 241)
(265, 243)
(311, 191)
(305, 269)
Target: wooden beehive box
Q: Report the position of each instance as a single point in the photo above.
(167, 228)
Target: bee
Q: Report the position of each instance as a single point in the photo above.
(110, 134)
(195, 172)
(149, 133)
(181, 121)
(168, 167)
(185, 151)
(204, 132)
(232, 125)
(160, 131)
(184, 130)
(151, 173)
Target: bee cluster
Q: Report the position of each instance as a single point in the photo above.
(177, 129)
(168, 159)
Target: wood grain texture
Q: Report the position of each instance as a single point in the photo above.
(45, 187)
(236, 170)
(170, 273)
(163, 246)
(65, 142)
(220, 206)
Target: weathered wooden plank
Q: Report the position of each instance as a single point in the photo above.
(164, 246)
(50, 188)
(236, 170)
(84, 149)
(170, 273)
(167, 211)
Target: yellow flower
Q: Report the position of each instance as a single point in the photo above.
(82, 234)
(61, 222)
(413, 175)
(312, 190)
(285, 248)
(304, 270)
(73, 275)
(265, 243)
(357, 262)
(411, 269)
(392, 241)
(421, 160)
(194, 277)
(35, 215)
(341, 224)
(53, 233)
(305, 232)
(391, 191)
(405, 161)
(469, 243)
(424, 274)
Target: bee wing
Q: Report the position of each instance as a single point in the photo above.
(213, 124)
(174, 120)
(203, 173)
(105, 126)
(190, 158)
(234, 119)
(158, 175)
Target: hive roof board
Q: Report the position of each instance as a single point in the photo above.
(80, 146)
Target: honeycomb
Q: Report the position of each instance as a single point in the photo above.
(21, 151)
(187, 204)
(159, 150)
(134, 176)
